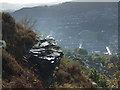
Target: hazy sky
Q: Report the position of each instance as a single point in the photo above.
(51, 1)
(33, 1)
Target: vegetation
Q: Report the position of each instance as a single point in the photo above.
(18, 39)
(69, 75)
(78, 68)
(102, 69)
(28, 22)
(81, 51)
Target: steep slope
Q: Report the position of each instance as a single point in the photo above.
(15, 75)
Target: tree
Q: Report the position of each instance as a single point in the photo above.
(81, 51)
(98, 78)
(28, 22)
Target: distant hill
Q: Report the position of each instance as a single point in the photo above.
(72, 23)
(68, 8)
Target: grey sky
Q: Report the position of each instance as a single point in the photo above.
(97, 0)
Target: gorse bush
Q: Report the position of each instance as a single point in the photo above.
(26, 80)
(27, 37)
(74, 69)
(15, 76)
(10, 65)
(18, 39)
(8, 28)
(69, 73)
(62, 77)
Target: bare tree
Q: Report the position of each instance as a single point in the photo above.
(28, 22)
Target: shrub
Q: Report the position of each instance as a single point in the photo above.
(18, 39)
(26, 80)
(62, 76)
(74, 69)
(10, 65)
(8, 27)
(27, 37)
(69, 73)
(98, 78)
(81, 51)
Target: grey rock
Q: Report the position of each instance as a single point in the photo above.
(2, 44)
(46, 54)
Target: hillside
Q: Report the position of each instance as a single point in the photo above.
(14, 75)
(20, 72)
(74, 23)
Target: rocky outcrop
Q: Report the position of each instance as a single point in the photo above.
(44, 56)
